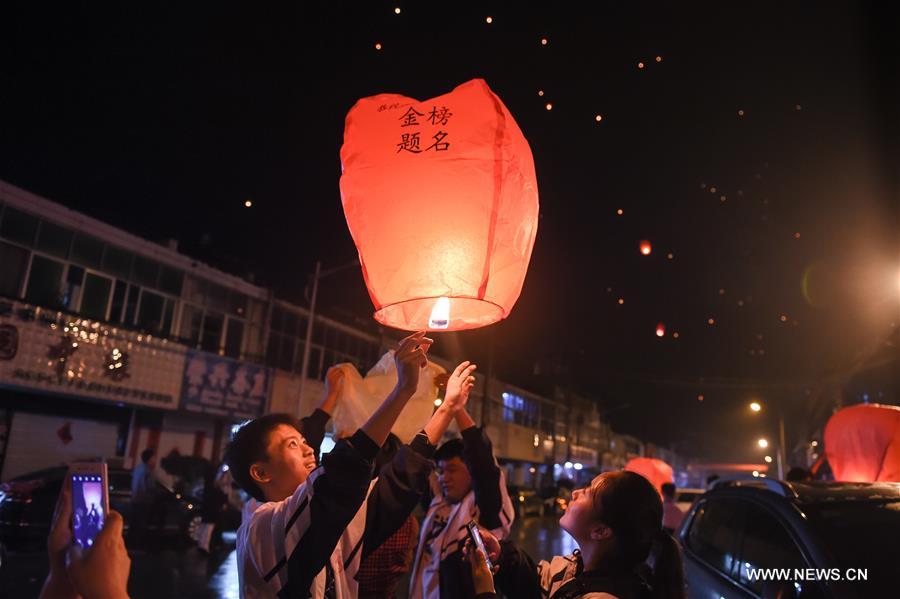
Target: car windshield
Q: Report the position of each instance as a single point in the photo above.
(862, 534)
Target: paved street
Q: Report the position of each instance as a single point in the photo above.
(185, 572)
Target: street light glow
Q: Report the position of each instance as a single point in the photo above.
(755, 406)
(768, 459)
(763, 443)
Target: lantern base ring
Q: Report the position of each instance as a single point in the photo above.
(466, 312)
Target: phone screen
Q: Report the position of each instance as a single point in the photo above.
(479, 542)
(87, 507)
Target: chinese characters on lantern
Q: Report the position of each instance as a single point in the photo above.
(410, 140)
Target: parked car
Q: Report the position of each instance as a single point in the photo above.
(842, 531)
(685, 498)
(525, 501)
(27, 503)
(556, 498)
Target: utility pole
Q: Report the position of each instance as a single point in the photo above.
(304, 369)
(319, 274)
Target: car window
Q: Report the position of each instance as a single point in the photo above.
(766, 545)
(714, 532)
(861, 535)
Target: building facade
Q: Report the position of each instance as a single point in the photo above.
(110, 344)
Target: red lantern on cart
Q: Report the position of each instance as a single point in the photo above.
(862, 443)
(441, 200)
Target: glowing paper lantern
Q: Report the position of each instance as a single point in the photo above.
(660, 330)
(862, 443)
(646, 248)
(441, 200)
(653, 469)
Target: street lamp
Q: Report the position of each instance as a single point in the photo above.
(756, 408)
(768, 459)
(763, 443)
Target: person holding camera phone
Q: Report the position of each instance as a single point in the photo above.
(96, 572)
(472, 487)
(617, 523)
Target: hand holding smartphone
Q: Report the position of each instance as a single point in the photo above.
(475, 535)
(90, 500)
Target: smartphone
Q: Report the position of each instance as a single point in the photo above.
(475, 535)
(90, 500)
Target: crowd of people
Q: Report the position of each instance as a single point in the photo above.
(344, 526)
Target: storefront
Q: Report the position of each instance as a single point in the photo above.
(73, 388)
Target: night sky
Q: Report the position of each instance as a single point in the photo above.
(759, 150)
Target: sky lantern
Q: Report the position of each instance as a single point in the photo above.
(441, 200)
(645, 248)
(660, 330)
(862, 443)
(653, 469)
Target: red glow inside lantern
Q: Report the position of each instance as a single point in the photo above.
(441, 200)
(653, 469)
(646, 248)
(862, 443)
(660, 330)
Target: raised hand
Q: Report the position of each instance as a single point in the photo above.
(459, 385)
(410, 358)
(334, 380)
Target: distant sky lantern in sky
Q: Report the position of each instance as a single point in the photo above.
(646, 248)
(441, 200)
(660, 330)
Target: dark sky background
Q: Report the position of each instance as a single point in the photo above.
(163, 120)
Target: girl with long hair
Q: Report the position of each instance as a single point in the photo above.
(623, 551)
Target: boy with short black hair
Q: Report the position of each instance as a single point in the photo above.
(317, 523)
